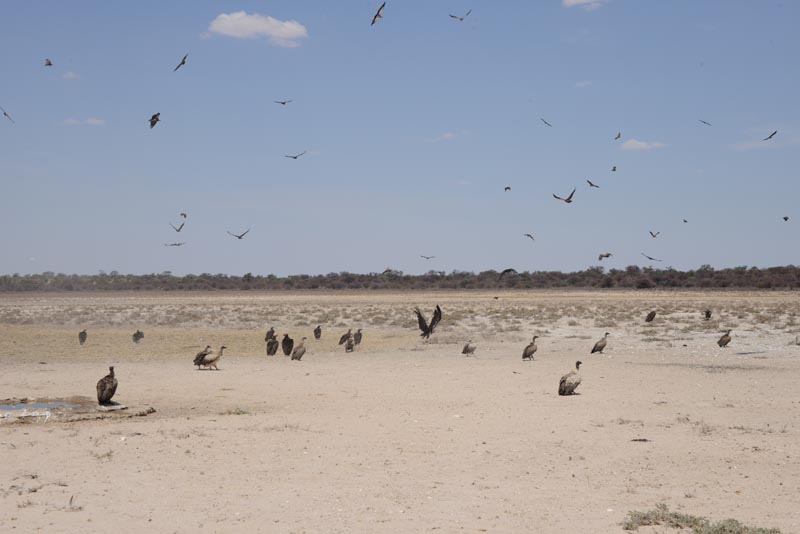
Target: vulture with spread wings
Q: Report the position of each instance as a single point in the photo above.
(427, 329)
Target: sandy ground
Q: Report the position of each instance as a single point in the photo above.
(403, 435)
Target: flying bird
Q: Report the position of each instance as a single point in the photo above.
(6, 115)
(650, 257)
(183, 215)
(546, 123)
(177, 228)
(592, 184)
(461, 19)
(427, 257)
(654, 235)
(786, 219)
(48, 63)
(297, 156)
(240, 236)
(604, 255)
(529, 236)
(174, 244)
(568, 200)
(424, 326)
(684, 220)
(106, 387)
(770, 136)
(154, 120)
(704, 122)
(619, 134)
(378, 14)
(614, 168)
(182, 63)
(282, 102)
(505, 272)
(507, 188)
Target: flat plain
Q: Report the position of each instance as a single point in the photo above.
(404, 434)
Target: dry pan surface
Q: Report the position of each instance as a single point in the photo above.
(402, 435)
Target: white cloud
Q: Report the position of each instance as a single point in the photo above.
(634, 144)
(244, 26)
(70, 75)
(588, 5)
(446, 136)
(583, 83)
(91, 121)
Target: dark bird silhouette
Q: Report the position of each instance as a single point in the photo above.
(650, 257)
(725, 339)
(528, 236)
(570, 381)
(180, 244)
(619, 134)
(505, 272)
(82, 336)
(299, 351)
(600, 345)
(685, 221)
(347, 335)
(48, 63)
(357, 337)
(704, 122)
(427, 257)
(282, 102)
(155, 120)
(200, 356)
(786, 219)
(650, 317)
(654, 235)
(461, 19)
(106, 387)
(424, 326)
(378, 14)
(349, 345)
(770, 136)
(270, 334)
(183, 215)
(469, 348)
(182, 63)
(592, 184)
(286, 344)
(568, 200)
(272, 346)
(6, 115)
(297, 156)
(318, 332)
(707, 314)
(507, 188)
(137, 336)
(546, 123)
(614, 168)
(530, 349)
(604, 255)
(177, 228)
(240, 236)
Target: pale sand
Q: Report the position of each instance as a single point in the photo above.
(403, 435)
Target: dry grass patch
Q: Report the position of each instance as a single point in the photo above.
(661, 515)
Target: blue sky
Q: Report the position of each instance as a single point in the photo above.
(413, 127)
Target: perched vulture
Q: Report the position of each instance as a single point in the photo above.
(198, 358)
(137, 336)
(287, 344)
(212, 358)
(299, 350)
(106, 387)
(708, 314)
(570, 381)
(318, 332)
(357, 337)
(427, 329)
(600, 345)
(345, 336)
(270, 334)
(82, 336)
(272, 346)
(530, 349)
(725, 339)
(469, 348)
(650, 317)
(349, 345)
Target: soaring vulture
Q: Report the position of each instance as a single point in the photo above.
(82, 336)
(299, 350)
(530, 349)
(106, 387)
(570, 381)
(427, 329)
(600, 345)
(287, 344)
